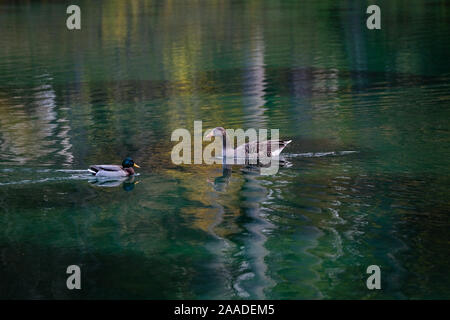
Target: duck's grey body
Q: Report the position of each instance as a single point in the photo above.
(110, 170)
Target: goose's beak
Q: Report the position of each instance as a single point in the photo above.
(135, 165)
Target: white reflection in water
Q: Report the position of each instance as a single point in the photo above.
(255, 84)
(34, 128)
(253, 268)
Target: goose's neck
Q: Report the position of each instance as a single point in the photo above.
(225, 146)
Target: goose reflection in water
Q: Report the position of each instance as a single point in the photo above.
(220, 183)
(127, 183)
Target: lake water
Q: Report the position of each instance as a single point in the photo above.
(368, 175)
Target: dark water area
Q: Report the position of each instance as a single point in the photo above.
(368, 175)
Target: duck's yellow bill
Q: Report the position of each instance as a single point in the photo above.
(136, 165)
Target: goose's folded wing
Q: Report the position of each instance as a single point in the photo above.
(273, 147)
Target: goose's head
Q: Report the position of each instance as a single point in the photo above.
(129, 163)
(216, 132)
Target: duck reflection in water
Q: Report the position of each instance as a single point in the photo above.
(127, 183)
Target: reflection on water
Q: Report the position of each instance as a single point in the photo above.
(365, 179)
(126, 182)
(220, 183)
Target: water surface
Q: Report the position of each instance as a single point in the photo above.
(369, 163)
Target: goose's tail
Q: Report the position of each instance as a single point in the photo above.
(281, 145)
(92, 170)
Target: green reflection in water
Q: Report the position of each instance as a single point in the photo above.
(140, 69)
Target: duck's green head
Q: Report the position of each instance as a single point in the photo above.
(128, 163)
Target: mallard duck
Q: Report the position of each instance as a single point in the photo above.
(111, 170)
(273, 147)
